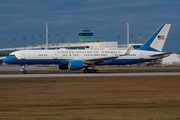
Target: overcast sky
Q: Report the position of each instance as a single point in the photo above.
(106, 18)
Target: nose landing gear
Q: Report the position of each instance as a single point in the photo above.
(23, 69)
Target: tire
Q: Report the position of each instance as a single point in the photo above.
(89, 71)
(25, 72)
(85, 70)
(96, 70)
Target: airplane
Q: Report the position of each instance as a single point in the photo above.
(83, 59)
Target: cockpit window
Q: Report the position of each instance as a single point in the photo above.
(12, 55)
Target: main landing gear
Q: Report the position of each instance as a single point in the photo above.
(93, 70)
(90, 70)
(23, 69)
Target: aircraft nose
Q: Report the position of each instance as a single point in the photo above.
(5, 59)
(10, 60)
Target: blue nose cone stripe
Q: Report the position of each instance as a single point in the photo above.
(10, 60)
(5, 60)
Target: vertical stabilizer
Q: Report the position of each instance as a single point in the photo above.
(157, 40)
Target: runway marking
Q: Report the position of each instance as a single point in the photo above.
(90, 74)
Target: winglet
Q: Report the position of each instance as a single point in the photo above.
(129, 50)
(157, 40)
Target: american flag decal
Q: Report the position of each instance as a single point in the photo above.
(161, 37)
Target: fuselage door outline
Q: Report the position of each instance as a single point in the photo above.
(22, 56)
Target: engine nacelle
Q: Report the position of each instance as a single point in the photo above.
(63, 66)
(76, 64)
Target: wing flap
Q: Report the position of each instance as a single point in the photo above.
(100, 58)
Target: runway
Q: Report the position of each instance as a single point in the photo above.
(50, 71)
(90, 74)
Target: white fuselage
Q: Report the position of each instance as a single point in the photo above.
(80, 54)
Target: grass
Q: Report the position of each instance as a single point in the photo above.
(90, 98)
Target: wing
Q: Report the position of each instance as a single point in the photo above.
(105, 58)
(162, 55)
(99, 59)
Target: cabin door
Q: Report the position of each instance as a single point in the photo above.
(55, 55)
(22, 56)
(141, 55)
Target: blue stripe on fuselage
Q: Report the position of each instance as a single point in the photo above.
(14, 60)
(125, 61)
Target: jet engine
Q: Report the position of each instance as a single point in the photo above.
(63, 66)
(76, 64)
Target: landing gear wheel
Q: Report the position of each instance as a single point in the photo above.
(89, 70)
(93, 70)
(85, 70)
(96, 70)
(24, 71)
